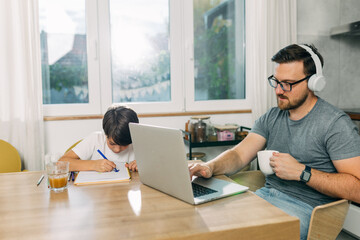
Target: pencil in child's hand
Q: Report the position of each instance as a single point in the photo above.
(115, 169)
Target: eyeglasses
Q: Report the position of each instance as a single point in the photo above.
(286, 86)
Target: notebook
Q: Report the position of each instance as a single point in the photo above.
(162, 164)
(93, 177)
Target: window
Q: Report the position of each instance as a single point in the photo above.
(215, 74)
(70, 67)
(218, 75)
(64, 54)
(155, 56)
(140, 54)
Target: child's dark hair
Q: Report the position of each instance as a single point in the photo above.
(294, 52)
(116, 124)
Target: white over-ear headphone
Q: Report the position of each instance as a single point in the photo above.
(317, 81)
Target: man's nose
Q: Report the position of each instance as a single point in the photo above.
(279, 90)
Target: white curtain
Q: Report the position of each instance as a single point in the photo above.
(271, 26)
(21, 118)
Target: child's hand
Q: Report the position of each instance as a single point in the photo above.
(103, 165)
(132, 166)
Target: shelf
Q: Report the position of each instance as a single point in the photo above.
(209, 144)
(212, 144)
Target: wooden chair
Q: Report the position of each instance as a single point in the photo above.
(9, 159)
(326, 220)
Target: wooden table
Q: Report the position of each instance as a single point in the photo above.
(131, 211)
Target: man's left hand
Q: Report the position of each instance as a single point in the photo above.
(286, 167)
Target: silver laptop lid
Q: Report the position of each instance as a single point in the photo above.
(161, 159)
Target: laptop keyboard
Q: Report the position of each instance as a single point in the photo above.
(199, 190)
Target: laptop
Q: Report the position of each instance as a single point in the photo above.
(162, 164)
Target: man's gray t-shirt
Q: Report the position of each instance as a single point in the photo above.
(324, 135)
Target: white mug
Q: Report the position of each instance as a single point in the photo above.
(264, 161)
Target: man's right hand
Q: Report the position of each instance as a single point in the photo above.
(103, 165)
(200, 170)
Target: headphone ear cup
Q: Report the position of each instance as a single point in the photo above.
(316, 83)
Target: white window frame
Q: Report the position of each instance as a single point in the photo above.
(182, 68)
(208, 105)
(176, 61)
(93, 107)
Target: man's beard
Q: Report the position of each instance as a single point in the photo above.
(291, 104)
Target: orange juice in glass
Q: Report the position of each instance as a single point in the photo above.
(58, 173)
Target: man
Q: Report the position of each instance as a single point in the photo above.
(319, 146)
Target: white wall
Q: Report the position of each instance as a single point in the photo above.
(341, 53)
(59, 135)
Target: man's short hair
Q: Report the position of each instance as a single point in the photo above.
(294, 53)
(116, 124)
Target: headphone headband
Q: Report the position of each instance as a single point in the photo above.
(315, 58)
(317, 81)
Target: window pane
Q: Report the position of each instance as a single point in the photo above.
(219, 49)
(140, 50)
(63, 51)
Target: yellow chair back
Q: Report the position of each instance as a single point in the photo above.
(73, 146)
(9, 158)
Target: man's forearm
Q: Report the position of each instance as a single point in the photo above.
(228, 162)
(337, 185)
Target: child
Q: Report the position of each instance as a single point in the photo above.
(114, 143)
